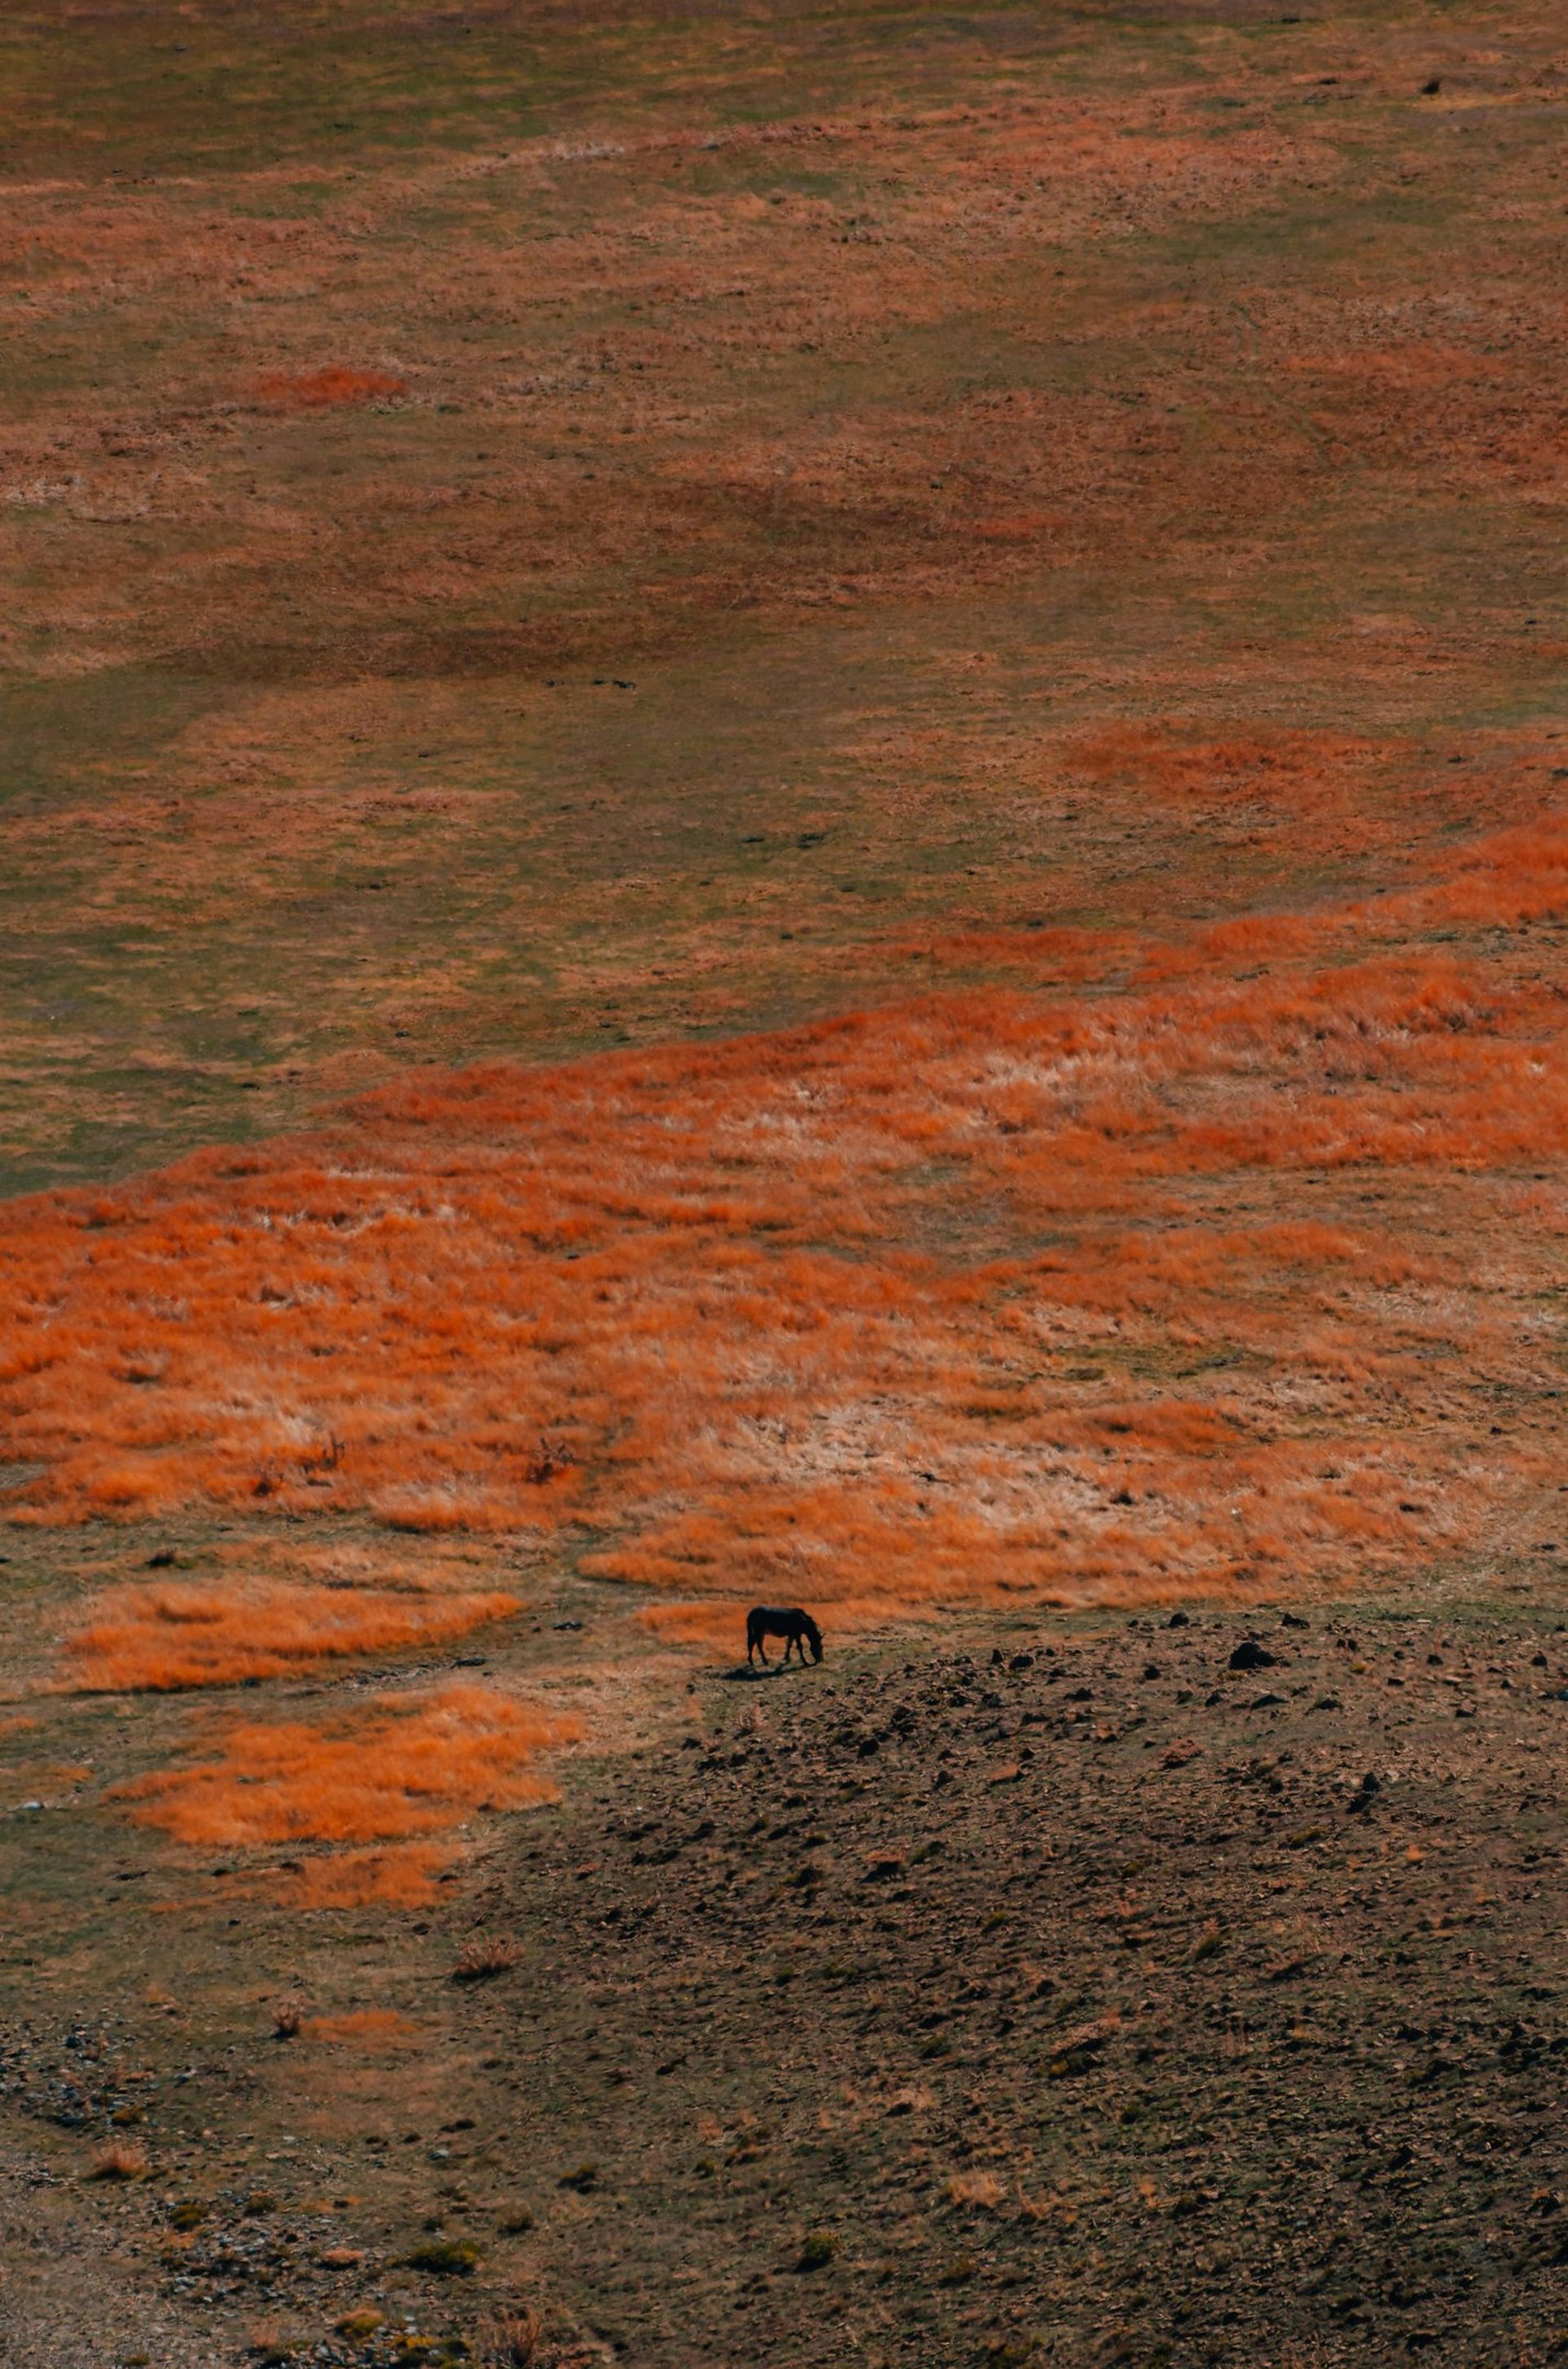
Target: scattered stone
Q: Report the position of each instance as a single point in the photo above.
(1250, 1655)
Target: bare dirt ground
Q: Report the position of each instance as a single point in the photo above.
(1066, 1995)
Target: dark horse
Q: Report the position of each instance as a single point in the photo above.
(797, 1629)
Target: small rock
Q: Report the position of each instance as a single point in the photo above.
(1250, 1655)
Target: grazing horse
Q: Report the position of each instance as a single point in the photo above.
(797, 1629)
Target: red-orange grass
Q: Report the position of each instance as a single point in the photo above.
(319, 390)
(165, 1636)
(400, 1768)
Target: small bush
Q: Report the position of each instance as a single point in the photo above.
(483, 1960)
(357, 2325)
(119, 2161)
(817, 2251)
(447, 2258)
(287, 2019)
(510, 2340)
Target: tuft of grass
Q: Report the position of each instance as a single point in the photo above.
(287, 2020)
(482, 1959)
(119, 2161)
(981, 2190)
(359, 2325)
(818, 2249)
(510, 2339)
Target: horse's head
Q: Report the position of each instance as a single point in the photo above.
(813, 1637)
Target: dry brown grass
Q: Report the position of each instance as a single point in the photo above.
(980, 2189)
(511, 2340)
(119, 2161)
(483, 1958)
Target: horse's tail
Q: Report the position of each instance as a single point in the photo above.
(814, 1635)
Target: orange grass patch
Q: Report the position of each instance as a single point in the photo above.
(401, 1767)
(170, 1636)
(372, 2027)
(318, 390)
(1070, 1294)
(403, 1875)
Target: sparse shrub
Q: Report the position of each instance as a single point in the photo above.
(287, 2019)
(119, 2161)
(582, 2176)
(445, 2258)
(818, 2249)
(510, 2340)
(483, 1958)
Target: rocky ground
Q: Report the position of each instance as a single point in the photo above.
(1070, 1996)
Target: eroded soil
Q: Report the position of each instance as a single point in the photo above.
(1070, 1996)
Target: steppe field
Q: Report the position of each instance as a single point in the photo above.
(783, 819)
